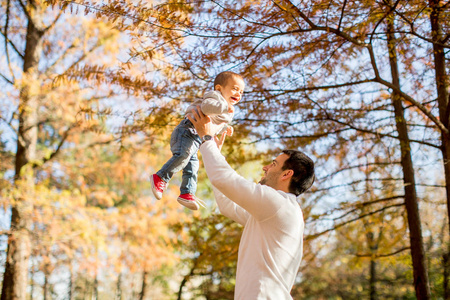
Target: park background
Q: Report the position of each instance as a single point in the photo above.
(91, 91)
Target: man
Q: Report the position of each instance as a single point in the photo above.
(271, 246)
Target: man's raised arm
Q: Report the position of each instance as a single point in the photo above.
(260, 201)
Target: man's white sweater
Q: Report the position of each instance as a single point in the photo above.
(271, 247)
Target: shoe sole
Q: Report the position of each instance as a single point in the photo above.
(192, 205)
(157, 194)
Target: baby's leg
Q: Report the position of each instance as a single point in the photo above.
(184, 143)
(190, 173)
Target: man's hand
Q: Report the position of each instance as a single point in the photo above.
(202, 122)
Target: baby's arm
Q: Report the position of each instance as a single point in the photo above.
(230, 209)
(230, 130)
(213, 105)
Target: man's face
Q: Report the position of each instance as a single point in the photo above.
(232, 91)
(273, 171)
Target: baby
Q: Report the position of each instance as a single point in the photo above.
(185, 142)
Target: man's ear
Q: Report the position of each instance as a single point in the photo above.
(287, 174)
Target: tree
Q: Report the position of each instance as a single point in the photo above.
(421, 281)
(55, 63)
(319, 77)
(210, 238)
(440, 42)
(310, 62)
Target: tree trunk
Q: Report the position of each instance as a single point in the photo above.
(444, 111)
(119, 287)
(46, 288)
(442, 90)
(421, 284)
(180, 289)
(372, 280)
(185, 280)
(19, 248)
(96, 288)
(373, 246)
(144, 286)
(70, 289)
(445, 264)
(33, 271)
(86, 290)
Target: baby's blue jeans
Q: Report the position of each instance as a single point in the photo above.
(184, 144)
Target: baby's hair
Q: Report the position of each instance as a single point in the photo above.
(223, 78)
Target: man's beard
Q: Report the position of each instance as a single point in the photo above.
(269, 179)
(263, 181)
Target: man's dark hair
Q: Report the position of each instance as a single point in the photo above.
(303, 168)
(223, 78)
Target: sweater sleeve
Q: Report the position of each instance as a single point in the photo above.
(230, 209)
(260, 201)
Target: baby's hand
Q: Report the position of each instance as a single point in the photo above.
(230, 131)
(230, 108)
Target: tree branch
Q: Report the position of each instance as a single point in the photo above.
(6, 79)
(5, 232)
(25, 11)
(391, 9)
(384, 255)
(313, 236)
(7, 41)
(53, 24)
(363, 204)
(342, 15)
(416, 104)
(359, 166)
(359, 181)
(9, 123)
(12, 45)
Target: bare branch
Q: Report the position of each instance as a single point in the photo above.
(391, 9)
(373, 63)
(107, 10)
(156, 47)
(342, 14)
(383, 255)
(6, 79)
(417, 104)
(80, 59)
(358, 206)
(5, 34)
(325, 134)
(359, 166)
(382, 134)
(12, 45)
(360, 181)
(8, 123)
(25, 10)
(446, 38)
(242, 18)
(313, 236)
(292, 15)
(53, 24)
(58, 148)
(388, 84)
(5, 232)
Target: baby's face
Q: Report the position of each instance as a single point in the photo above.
(233, 90)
